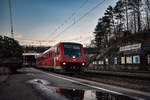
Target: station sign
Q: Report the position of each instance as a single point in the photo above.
(106, 61)
(100, 62)
(122, 60)
(136, 59)
(129, 60)
(130, 47)
(94, 62)
(115, 60)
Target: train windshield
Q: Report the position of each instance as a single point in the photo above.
(72, 51)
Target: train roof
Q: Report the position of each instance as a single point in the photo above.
(57, 45)
(70, 43)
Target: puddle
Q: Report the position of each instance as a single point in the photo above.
(39, 82)
(55, 93)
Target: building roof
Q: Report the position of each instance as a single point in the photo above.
(31, 54)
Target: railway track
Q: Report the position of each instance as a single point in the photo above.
(123, 74)
(138, 81)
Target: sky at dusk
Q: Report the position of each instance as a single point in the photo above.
(47, 22)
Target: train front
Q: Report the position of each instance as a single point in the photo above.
(73, 57)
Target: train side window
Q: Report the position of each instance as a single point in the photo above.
(47, 56)
(55, 52)
(58, 51)
(44, 57)
(50, 54)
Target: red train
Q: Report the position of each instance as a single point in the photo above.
(64, 57)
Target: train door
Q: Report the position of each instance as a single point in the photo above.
(56, 57)
(50, 59)
(54, 61)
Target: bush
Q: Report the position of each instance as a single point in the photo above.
(10, 52)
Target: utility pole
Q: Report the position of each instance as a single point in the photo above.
(11, 19)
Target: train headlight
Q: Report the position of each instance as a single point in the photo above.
(64, 63)
(83, 64)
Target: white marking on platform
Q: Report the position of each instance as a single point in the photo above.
(74, 81)
(86, 84)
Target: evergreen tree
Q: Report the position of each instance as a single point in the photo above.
(147, 10)
(125, 2)
(99, 34)
(135, 9)
(110, 16)
(126, 16)
(119, 16)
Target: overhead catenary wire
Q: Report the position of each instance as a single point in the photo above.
(80, 18)
(88, 12)
(69, 18)
(80, 37)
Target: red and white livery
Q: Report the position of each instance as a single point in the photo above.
(63, 57)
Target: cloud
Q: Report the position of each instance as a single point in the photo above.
(18, 36)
